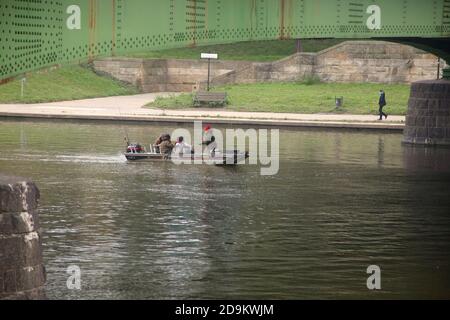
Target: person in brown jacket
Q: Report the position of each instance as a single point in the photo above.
(166, 146)
(157, 143)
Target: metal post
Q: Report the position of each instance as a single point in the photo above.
(299, 46)
(22, 87)
(439, 69)
(209, 56)
(209, 72)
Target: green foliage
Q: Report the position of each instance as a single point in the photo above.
(303, 97)
(247, 51)
(310, 80)
(66, 83)
(174, 102)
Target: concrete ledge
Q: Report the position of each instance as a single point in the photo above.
(216, 120)
(130, 108)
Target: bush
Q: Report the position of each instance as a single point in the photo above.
(310, 80)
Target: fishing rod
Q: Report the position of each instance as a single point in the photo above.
(126, 138)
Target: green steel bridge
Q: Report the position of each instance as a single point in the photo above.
(41, 33)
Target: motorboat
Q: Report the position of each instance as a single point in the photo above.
(137, 153)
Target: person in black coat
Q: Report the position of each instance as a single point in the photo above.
(382, 103)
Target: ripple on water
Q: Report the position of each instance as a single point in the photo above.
(341, 202)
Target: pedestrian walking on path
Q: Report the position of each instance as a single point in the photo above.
(382, 103)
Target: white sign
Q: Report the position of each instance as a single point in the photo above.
(213, 56)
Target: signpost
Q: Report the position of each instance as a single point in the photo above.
(209, 57)
(22, 87)
(439, 69)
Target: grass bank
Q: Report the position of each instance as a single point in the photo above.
(66, 83)
(248, 51)
(303, 97)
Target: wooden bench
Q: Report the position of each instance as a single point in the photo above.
(211, 98)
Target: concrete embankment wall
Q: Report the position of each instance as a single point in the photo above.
(292, 68)
(352, 61)
(377, 62)
(165, 75)
(22, 272)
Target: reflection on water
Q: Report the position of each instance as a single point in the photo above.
(341, 202)
(426, 159)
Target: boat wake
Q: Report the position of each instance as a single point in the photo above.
(88, 158)
(91, 159)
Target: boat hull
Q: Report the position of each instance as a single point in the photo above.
(219, 158)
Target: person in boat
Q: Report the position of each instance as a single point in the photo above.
(207, 135)
(212, 146)
(158, 142)
(166, 146)
(182, 147)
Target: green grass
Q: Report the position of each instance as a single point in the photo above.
(303, 97)
(248, 51)
(66, 83)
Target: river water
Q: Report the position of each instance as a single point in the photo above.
(342, 201)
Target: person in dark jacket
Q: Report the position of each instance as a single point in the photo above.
(158, 142)
(166, 146)
(382, 103)
(207, 135)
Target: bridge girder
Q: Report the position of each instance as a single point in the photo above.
(40, 33)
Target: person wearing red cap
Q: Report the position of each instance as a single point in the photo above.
(208, 135)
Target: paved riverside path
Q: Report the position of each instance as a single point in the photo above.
(130, 108)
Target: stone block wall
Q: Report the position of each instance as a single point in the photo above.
(292, 68)
(124, 69)
(165, 75)
(375, 61)
(351, 61)
(22, 272)
(182, 75)
(428, 117)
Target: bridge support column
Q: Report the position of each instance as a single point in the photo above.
(428, 118)
(22, 273)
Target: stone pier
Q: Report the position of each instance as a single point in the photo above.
(22, 273)
(428, 118)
